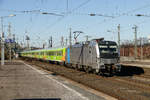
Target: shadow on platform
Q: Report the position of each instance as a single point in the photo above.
(130, 71)
(39, 99)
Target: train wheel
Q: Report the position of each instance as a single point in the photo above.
(94, 71)
(88, 69)
(111, 72)
(76, 67)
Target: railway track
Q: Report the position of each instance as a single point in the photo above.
(124, 88)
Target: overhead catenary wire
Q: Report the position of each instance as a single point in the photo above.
(78, 7)
(66, 14)
(126, 14)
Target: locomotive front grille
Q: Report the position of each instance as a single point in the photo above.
(109, 61)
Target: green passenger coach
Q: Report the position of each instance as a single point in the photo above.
(55, 54)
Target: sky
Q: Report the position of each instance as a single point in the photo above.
(109, 14)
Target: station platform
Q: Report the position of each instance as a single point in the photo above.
(20, 81)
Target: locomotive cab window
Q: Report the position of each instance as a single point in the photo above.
(108, 49)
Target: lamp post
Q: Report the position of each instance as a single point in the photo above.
(3, 39)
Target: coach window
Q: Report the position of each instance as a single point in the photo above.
(54, 53)
(45, 53)
(62, 52)
(58, 53)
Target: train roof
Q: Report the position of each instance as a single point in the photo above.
(44, 49)
(100, 39)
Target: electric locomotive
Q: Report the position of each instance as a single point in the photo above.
(97, 55)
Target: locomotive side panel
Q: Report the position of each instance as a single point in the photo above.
(85, 55)
(76, 55)
(82, 55)
(89, 56)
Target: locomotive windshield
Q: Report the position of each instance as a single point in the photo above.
(108, 50)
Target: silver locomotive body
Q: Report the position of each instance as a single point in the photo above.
(96, 55)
